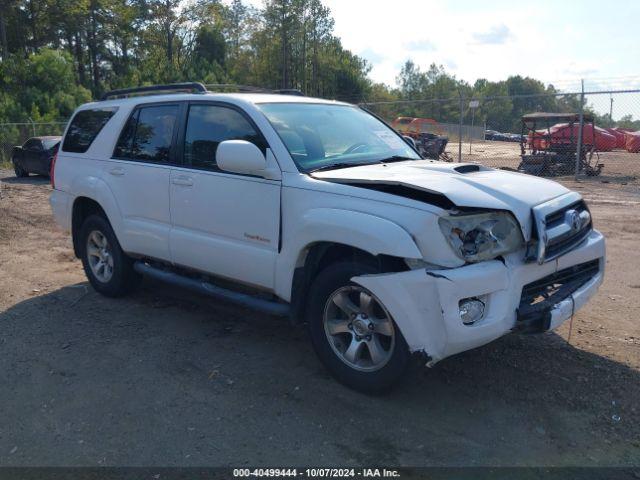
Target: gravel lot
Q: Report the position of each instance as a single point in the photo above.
(165, 377)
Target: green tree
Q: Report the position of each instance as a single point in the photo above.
(42, 87)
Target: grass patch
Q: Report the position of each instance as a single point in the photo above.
(6, 165)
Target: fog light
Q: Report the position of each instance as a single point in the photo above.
(471, 310)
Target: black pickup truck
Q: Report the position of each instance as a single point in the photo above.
(35, 156)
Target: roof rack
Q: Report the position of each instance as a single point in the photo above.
(170, 87)
(197, 87)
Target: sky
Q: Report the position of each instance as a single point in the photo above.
(558, 42)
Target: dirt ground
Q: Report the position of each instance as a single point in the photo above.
(165, 377)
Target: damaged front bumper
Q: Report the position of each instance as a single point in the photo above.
(425, 304)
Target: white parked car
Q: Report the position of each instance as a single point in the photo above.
(319, 210)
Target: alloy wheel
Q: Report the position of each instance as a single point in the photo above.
(100, 256)
(359, 328)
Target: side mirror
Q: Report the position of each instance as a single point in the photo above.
(240, 156)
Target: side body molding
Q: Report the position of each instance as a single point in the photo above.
(370, 233)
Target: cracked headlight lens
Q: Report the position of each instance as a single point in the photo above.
(484, 236)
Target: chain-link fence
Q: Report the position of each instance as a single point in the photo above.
(593, 134)
(13, 134)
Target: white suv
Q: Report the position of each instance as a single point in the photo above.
(318, 210)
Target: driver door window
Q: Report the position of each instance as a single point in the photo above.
(207, 126)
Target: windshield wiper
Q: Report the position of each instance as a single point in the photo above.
(337, 165)
(396, 158)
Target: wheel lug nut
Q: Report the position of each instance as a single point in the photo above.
(371, 326)
(350, 326)
(368, 337)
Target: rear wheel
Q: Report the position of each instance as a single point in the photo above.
(109, 270)
(353, 333)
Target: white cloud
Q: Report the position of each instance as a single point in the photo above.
(581, 69)
(423, 45)
(496, 35)
(372, 56)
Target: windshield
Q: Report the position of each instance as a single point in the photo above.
(321, 136)
(48, 144)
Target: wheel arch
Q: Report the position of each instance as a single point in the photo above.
(317, 256)
(82, 208)
(16, 154)
(92, 194)
(361, 234)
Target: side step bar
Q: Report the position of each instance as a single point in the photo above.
(206, 288)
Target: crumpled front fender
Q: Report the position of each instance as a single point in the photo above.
(412, 299)
(425, 305)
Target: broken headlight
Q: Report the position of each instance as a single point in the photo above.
(484, 236)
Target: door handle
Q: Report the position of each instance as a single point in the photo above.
(118, 172)
(182, 181)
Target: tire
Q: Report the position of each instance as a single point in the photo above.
(118, 277)
(19, 170)
(369, 373)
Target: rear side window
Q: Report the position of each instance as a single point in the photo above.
(207, 126)
(148, 134)
(84, 128)
(123, 148)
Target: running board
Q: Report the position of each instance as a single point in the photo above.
(206, 288)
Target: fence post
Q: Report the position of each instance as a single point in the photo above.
(460, 129)
(33, 126)
(472, 105)
(580, 134)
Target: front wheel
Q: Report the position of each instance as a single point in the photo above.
(353, 333)
(19, 170)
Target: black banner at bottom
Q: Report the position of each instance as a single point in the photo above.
(231, 473)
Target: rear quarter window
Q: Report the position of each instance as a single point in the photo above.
(85, 127)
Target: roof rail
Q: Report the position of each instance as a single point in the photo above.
(170, 87)
(289, 91)
(252, 89)
(236, 88)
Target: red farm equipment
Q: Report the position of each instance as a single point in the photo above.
(550, 143)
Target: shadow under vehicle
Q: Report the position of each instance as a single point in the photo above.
(549, 144)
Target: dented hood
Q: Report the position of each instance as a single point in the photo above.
(466, 185)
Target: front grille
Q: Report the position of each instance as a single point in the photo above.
(557, 245)
(560, 225)
(555, 218)
(539, 297)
